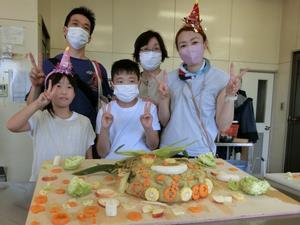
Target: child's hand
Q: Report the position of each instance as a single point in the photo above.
(146, 118)
(37, 75)
(234, 83)
(46, 96)
(107, 117)
(162, 87)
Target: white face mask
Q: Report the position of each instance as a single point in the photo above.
(150, 60)
(77, 37)
(126, 92)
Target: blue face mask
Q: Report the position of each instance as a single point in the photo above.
(77, 37)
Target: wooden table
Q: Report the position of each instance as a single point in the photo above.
(270, 205)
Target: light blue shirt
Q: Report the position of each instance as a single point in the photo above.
(184, 123)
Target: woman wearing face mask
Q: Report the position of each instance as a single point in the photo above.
(202, 96)
(150, 52)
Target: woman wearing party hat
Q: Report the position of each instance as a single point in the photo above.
(56, 130)
(202, 96)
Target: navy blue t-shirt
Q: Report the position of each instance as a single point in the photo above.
(85, 70)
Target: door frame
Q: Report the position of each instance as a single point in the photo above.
(291, 116)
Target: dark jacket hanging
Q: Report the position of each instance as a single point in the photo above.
(245, 115)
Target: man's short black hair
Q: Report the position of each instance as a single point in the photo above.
(85, 12)
(143, 40)
(125, 65)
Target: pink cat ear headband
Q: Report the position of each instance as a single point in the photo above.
(64, 67)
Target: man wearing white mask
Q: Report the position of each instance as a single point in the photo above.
(128, 120)
(91, 76)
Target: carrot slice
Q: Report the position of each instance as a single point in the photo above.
(233, 169)
(60, 191)
(170, 194)
(220, 163)
(134, 216)
(57, 170)
(203, 190)
(55, 209)
(34, 222)
(195, 209)
(49, 178)
(109, 178)
(160, 178)
(37, 208)
(60, 219)
(81, 217)
(72, 204)
(66, 181)
(41, 199)
(90, 211)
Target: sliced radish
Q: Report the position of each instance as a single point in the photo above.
(105, 193)
(148, 208)
(157, 212)
(172, 169)
(186, 194)
(103, 201)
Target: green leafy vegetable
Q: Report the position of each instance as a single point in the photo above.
(73, 162)
(98, 168)
(207, 159)
(233, 185)
(253, 186)
(78, 187)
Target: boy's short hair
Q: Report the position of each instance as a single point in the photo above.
(125, 65)
(85, 12)
(143, 40)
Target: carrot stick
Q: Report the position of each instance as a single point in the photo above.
(41, 199)
(134, 216)
(60, 219)
(37, 208)
(195, 209)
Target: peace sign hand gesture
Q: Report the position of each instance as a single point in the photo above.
(46, 96)
(146, 118)
(107, 117)
(234, 83)
(37, 75)
(162, 87)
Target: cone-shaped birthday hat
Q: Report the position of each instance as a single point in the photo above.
(193, 19)
(64, 67)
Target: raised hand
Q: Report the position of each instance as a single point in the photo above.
(234, 83)
(162, 86)
(46, 96)
(146, 118)
(107, 117)
(37, 75)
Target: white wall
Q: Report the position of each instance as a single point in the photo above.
(290, 41)
(245, 32)
(16, 149)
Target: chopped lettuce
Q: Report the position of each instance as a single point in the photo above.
(253, 186)
(78, 187)
(73, 162)
(207, 159)
(233, 185)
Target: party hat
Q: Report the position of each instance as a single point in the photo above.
(193, 19)
(64, 67)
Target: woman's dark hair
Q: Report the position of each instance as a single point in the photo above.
(125, 65)
(187, 28)
(143, 40)
(85, 12)
(55, 78)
